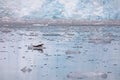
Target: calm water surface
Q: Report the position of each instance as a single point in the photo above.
(71, 53)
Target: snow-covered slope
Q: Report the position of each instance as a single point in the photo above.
(61, 9)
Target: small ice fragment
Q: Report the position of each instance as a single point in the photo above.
(24, 69)
(104, 75)
(72, 52)
(29, 70)
(89, 75)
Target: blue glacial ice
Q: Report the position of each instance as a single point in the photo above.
(61, 9)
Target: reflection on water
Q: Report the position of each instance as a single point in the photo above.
(71, 53)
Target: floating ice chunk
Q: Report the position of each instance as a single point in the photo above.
(5, 19)
(40, 24)
(51, 34)
(100, 40)
(89, 75)
(6, 30)
(25, 69)
(72, 52)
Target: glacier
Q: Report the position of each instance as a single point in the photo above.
(61, 9)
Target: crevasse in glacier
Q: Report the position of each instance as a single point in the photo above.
(60, 9)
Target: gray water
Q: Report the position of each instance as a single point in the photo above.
(71, 53)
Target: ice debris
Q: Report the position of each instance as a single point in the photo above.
(89, 75)
(25, 69)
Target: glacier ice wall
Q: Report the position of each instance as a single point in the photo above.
(60, 9)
